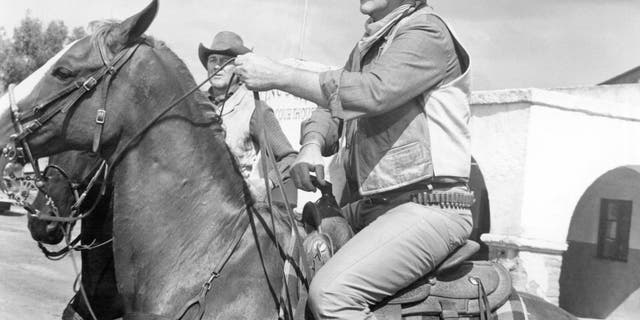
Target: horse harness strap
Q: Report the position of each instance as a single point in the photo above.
(79, 88)
(74, 92)
(101, 169)
(199, 299)
(266, 154)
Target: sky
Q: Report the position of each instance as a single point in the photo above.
(513, 43)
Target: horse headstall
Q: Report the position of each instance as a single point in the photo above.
(26, 123)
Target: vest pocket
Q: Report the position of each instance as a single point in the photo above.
(400, 166)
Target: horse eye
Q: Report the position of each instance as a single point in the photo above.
(62, 73)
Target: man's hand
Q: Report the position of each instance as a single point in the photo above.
(260, 73)
(309, 160)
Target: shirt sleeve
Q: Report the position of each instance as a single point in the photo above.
(283, 153)
(415, 61)
(323, 129)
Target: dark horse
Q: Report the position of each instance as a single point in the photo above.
(98, 274)
(178, 199)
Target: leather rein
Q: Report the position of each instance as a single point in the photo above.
(80, 190)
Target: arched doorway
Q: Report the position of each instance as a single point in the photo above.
(480, 210)
(600, 274)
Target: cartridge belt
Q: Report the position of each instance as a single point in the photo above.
(427, 197)
(451, 199)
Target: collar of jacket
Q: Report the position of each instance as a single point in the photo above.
(236, 96)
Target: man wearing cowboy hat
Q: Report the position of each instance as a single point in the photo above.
(235, 103)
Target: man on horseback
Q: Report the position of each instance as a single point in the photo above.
(401, 104)
(237, 107)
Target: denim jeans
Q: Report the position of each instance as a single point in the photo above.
(397, 244)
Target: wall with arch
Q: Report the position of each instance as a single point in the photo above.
(539, 150)
(595, 287)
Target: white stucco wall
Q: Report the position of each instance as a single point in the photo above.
(498, 143)
(572, 142)
(539, 151)
(625, 94)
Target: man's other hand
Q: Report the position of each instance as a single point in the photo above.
(309, 160)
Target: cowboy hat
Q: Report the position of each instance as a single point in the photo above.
(226, 43)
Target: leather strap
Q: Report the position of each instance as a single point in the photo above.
(295, 243)
(199, 300)
(77, 89)
(483, 301)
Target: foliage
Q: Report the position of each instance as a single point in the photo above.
(31, 46)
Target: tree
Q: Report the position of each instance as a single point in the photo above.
(31, 46)
(78, 33)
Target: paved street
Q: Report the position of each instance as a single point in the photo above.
(31, 287)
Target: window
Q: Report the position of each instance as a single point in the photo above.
(615, 223)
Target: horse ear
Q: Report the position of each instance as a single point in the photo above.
(131, 29)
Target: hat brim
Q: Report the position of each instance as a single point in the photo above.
(204, 52)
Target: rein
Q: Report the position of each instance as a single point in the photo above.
(100, 170)
(296, 240)
(75, 208)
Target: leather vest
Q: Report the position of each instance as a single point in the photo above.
(426, 138)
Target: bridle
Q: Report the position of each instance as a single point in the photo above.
(79, 189)
(19, 149)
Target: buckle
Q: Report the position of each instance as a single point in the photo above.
(100, 116)
(89, 83)
(207, 285)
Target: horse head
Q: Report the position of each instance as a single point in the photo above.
(66, 177)
(59, 107)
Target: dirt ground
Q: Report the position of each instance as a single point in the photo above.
(31, 286)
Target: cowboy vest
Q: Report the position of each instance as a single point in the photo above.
(411, 144)
(236, 119)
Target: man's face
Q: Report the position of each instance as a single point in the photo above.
(221, 80)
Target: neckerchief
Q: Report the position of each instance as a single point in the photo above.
(375, 30)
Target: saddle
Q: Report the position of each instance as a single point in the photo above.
(456, 289)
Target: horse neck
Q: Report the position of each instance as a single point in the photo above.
(177, 197)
